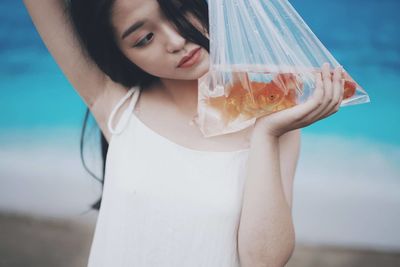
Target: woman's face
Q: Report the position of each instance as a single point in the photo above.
(155, 45)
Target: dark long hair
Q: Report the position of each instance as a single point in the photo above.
(92, 22)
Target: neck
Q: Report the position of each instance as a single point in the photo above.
(183, 94)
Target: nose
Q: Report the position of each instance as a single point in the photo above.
(174, 41)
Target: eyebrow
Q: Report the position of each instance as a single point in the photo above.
(132, 28)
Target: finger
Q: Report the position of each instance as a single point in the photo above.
(328, 86)
(327, 76)
(341, 93)
(339, 102)
(336, 90)
(327, 98)
(318, 94)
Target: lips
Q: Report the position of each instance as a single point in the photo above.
(188, 57)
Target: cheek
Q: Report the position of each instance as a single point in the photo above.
(152, 62)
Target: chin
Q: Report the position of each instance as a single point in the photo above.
(189, 75)
(195, 75)
(201, 70)
(204, 71)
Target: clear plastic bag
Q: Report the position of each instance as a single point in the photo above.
(263, 59)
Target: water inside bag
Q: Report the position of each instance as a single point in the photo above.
(233, 98)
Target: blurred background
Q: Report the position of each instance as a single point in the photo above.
(347, 186)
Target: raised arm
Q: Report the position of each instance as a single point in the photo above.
(52, 22)
(96, 89)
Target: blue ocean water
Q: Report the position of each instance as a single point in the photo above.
(362, 35)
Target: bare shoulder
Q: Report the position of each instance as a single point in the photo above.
(104, 104)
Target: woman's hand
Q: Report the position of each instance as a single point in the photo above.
(325, 101)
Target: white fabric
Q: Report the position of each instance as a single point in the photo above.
(165, 204)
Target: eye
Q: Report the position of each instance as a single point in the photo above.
(144, 40)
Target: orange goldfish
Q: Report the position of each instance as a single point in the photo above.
(259, 99)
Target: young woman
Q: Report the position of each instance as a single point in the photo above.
(172, 197)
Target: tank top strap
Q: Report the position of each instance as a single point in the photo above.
(122, 124)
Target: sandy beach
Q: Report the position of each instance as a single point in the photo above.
(36, 241)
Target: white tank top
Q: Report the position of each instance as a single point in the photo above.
(166, 205)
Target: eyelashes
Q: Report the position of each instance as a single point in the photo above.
(144, 40)
(183, 8)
